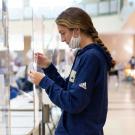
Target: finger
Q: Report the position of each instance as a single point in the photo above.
(31, 73)
(38, 54)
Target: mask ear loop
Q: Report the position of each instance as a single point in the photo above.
(77, 35)
(73, 34)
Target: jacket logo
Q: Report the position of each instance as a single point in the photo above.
(72, 76)
(83, 85)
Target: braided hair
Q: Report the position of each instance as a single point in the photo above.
(74, 17)
(96, 39)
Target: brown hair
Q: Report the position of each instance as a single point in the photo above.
(74, 17)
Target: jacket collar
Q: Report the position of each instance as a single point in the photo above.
(90, 46)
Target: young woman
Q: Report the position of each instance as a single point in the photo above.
(83, 95)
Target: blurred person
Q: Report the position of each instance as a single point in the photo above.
(14, 92)
(22, 81)
(132, 62)
(82, 97)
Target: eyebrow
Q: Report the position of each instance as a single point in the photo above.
(61, 31)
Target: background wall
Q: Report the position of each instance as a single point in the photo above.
(120, 45)
(103, 24)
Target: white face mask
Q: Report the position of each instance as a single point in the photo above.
(74, 42)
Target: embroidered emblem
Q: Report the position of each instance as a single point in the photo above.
(72, 76)
(83, 85)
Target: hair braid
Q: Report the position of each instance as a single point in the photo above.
(96, 39)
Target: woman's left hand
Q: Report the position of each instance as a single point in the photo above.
(35, 76)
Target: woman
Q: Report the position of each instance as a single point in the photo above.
(83, 95)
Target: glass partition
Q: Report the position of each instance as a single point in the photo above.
(37, 46)
(4, 71)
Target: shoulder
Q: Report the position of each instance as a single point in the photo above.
(88, 57)
(92, 55)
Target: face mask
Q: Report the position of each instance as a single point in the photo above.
(74, 42)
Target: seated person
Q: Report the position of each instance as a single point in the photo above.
(22, 80)
(13, 92)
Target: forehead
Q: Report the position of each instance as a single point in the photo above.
(62, 28)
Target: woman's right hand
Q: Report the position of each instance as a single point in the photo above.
(42, 60)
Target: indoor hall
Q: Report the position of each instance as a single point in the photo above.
(28, 27)
(121, 113)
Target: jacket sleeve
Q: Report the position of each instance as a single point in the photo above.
(53, 74)
(78, 97)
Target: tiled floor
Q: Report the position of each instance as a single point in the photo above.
(121, 114)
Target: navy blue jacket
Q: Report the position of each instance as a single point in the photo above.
(83, 95)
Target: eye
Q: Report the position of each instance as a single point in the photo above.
(62, 33)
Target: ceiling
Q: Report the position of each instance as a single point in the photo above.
(24, 9)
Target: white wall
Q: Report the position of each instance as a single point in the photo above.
(108, 24)
(104, 24)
